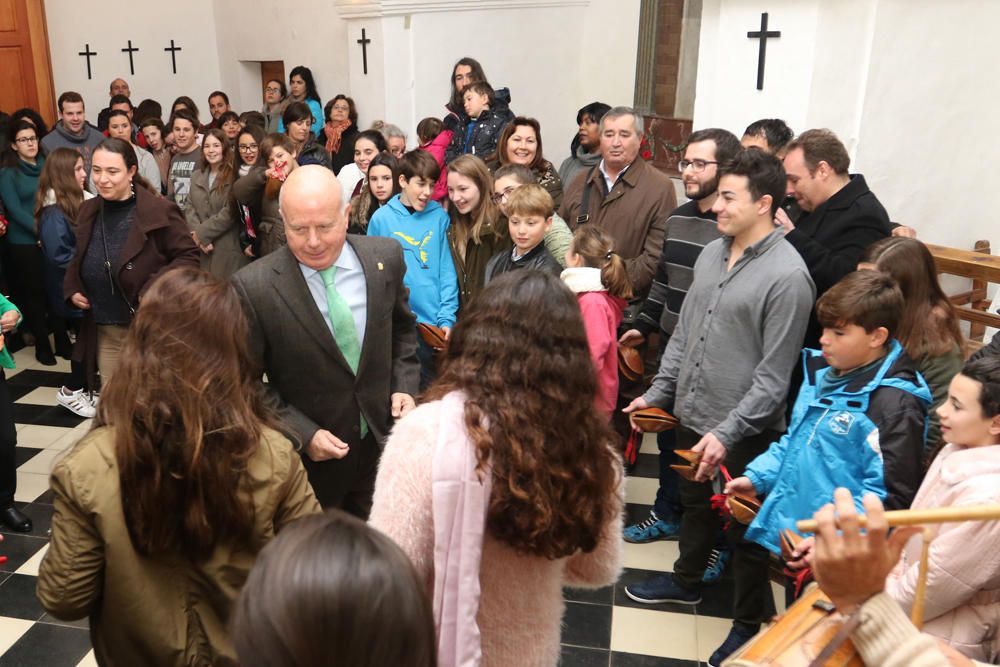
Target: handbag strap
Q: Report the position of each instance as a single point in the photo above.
(585, 200)
(109, 268)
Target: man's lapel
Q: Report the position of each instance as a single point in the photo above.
(291, 286)
(375, 291)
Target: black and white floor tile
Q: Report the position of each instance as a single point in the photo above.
(602, 627)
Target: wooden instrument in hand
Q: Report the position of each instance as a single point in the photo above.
(811, 633)
(923, 516)
(799, 636)
(743, 508)
(654, 420)
(630, 362)
(689, 469)
(433, 336)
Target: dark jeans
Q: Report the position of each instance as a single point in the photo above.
(668, 495)
(28, 290)
(8, 443)
(753, 603)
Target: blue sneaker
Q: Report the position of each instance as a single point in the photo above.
(651, 529)
(717, 562)
(738, 636)
(662, 588)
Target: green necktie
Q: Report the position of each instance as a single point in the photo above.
(344, 331)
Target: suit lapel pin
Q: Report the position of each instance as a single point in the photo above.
(380, 267)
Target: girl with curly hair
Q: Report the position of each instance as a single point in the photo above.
(503, 487)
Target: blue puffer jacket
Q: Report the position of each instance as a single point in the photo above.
(867, 436)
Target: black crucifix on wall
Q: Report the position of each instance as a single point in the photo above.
(364, 42)
(87, 53)
(173, 54)
(130, 50)
(763, 34)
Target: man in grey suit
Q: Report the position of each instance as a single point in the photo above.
(331, 328)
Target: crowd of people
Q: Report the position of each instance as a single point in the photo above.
(441, 324)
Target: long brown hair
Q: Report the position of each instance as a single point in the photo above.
(224, 176)
(929, 326)
(597, 251)
(59, 175)
(330, 585)
(188, 414)
(486, 215)
(529, 386)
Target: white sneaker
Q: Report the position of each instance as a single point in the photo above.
(78, 402)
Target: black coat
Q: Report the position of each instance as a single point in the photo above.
(486, 131)
(538, 258)
(832, 238)
(345, 155)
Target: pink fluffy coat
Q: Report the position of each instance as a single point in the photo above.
(521, 607)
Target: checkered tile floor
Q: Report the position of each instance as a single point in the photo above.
(602, 627)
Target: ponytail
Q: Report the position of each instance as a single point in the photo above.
(597, 251)
(614, 276)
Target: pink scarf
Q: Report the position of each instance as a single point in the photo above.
(460, 501)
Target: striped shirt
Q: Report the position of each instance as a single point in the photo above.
(688, 232)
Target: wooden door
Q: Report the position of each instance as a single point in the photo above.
(271, 69)
(25, 68)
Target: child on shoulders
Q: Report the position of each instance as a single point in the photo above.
(488, 115)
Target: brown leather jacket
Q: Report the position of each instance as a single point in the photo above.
(162, 610)
(634, 213)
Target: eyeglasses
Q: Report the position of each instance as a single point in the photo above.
(272, 90)
(248, 148)
(501, 197)
(697, 166)
(27, 140)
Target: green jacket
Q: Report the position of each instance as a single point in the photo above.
(6, 359)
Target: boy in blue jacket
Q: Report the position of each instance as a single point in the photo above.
(859, 421)
(421, 225)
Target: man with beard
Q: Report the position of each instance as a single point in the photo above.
(72, 130)
(690, 227)
(585, 151)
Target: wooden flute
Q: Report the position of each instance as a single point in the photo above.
(919, 517)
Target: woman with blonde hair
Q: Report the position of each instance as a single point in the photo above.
(478, 231)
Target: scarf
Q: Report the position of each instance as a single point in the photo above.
(333, 132)
(460, 501)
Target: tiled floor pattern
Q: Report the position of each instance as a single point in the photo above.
(602, 627)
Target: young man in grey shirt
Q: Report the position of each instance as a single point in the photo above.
(726, 371)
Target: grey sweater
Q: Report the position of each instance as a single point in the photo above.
(728, 364)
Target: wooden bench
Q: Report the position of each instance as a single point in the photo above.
(982, 268)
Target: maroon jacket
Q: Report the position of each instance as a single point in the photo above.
(158, 240)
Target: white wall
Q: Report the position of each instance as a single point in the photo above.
(306, 32)
(553, 59)
(906, 84)
(150, 26)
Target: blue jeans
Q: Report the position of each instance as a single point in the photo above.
(428, 363)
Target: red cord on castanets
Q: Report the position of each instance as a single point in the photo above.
(632, 447)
